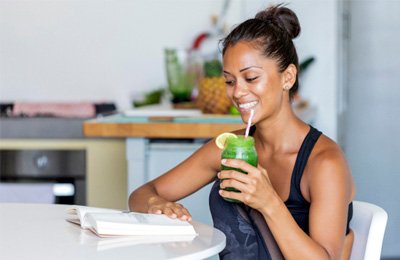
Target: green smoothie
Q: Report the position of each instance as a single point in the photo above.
(239, 148)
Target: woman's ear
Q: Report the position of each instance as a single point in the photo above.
(289, 76)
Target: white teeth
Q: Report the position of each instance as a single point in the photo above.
(248, 105)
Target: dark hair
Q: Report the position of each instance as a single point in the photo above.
(272, 31)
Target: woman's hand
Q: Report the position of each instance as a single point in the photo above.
(158, 205)
(255, 186)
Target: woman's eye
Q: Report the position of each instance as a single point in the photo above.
(251, 79)
(229, 82)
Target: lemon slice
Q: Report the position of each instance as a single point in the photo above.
(221, 139)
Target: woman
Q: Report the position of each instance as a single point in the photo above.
(297, 201)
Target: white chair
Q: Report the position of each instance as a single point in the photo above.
(368, 224)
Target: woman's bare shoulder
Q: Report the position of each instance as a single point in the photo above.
(328, 167)
(326, 151)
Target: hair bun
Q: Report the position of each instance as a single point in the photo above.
(282, 17)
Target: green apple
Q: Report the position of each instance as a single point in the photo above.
(233, 111)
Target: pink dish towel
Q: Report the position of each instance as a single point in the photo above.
(68, 110)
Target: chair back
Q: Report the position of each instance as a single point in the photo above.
(368, 224)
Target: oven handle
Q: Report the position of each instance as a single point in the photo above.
(63, 189)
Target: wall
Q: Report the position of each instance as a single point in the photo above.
(319, 38)
(93, 50)
(371, 140)
(110, 50)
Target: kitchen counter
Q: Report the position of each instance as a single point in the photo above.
(203, 126)
(165, 122)
(44, 120)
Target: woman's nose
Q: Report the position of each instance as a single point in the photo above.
(239, 90)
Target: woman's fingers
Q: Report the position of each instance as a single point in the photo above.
(250, 185)
(181, 212)
(185, 215)
(170, 213)
(233, 183)
(232, 174)
(246, 198)
(239, 164)
(172, 210)
(154, 210)
(232, 195)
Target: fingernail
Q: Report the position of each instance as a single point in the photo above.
(223, 161)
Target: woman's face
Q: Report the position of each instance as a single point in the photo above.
(252, 81)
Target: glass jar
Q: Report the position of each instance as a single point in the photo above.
(239, 148)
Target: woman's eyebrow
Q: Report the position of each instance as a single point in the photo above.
(250, 68)
(244, 69)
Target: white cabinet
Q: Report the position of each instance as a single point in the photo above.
(148, 159)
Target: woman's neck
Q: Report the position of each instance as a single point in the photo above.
(281, 133)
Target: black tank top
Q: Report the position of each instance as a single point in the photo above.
(296, 203)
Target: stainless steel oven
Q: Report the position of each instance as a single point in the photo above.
(55, 176)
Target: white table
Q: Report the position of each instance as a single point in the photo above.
(40, 231)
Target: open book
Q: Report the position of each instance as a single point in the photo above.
(109, 222)
(78, 214)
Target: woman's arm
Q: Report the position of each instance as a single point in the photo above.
(159, 195)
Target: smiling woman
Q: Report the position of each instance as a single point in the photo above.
(261, 67)
(296, 202)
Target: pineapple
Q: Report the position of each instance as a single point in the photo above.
(212, 97)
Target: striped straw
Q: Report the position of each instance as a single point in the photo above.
(249, 122)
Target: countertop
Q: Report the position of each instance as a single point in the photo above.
(179, 127)
(45, 122)
(164, 122)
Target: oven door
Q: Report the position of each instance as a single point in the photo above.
(43, 176)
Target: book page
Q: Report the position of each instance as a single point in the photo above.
(76, 214)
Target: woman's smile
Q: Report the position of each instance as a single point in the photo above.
(248, 105)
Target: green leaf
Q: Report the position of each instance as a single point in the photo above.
(212, 68)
